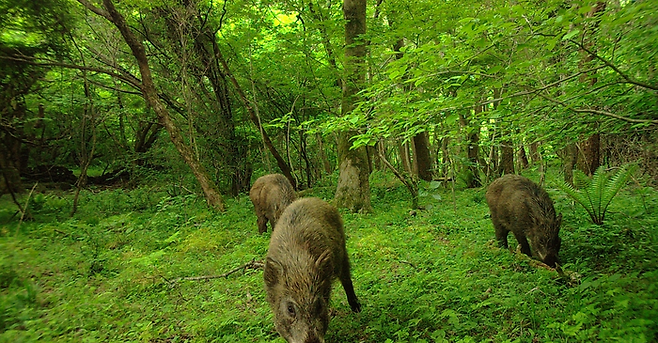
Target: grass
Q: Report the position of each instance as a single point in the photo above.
(435, 275)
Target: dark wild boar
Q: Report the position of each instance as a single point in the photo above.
(306, 253)
(271, 194)
(521, 206)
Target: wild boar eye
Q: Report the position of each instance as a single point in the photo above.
(291, 310)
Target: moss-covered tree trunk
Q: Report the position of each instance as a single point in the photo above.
(353, 190)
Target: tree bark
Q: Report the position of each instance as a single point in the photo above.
(534, 153)
(323, 156)
(150, 93)
(590, 157)
(591, 147)
(422, 161)
(523, 158)
(405, 157)
(570, 158)
(506, 157)
(353, 190)
(285, 168)
(473, 146)
(422, 158)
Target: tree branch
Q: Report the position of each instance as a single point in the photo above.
(101, 12)
(599, 112)
(131, 80)
(613, 67)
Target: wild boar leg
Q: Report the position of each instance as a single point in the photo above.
(525, 248)
(501, 235)
(346, 281)
(262, 223)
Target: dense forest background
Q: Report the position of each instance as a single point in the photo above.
(397, 112)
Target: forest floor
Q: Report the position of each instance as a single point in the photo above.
(111, 272)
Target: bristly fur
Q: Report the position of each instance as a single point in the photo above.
(271, 194)
(522, 207)
(542, 209)
(306, 253)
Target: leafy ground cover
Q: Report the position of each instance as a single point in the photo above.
(109, 273)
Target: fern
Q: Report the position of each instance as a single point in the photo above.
(596, 194)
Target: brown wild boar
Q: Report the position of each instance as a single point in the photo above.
(521, 206)
(306, 253)
(271, 194)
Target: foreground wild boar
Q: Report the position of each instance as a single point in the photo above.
(521, 206)
(307, 252)
(271, 194)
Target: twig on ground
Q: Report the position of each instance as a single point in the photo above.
(409, 263)
(253, 264)
(61, 232)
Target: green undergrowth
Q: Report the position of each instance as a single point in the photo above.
(109, 273)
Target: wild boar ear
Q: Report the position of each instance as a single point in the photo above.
(273, 269)
(323, 259)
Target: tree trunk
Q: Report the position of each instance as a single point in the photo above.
(86, 155)
(473, 153)
(150, 93)
(590, 147)
(534, 153)
(570, 157)
(353, 191)
(234, 152)
(523, 158)
(285, 168)
(590, 155)
(506, 157)
(323, 156)
(405, 157)
(422, 161)
(422, 158)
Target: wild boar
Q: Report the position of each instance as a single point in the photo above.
(521, 206)
(271, 194)
(306, 253)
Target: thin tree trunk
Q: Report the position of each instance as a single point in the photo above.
(422, 158)
(410, 182)
(323, 155)
(570, 158)
(473, 146)
(591, 147)
(285, 168)
(85, 156)
(534, 153)
(405, 157)
(353, 190)
(523, 158)
(326, 41)
(422, 161)
(506, 157)
(150, 93)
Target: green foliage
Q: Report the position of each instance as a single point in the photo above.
(596, 194)
(106, 274)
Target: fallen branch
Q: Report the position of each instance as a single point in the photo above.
(253, 264)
